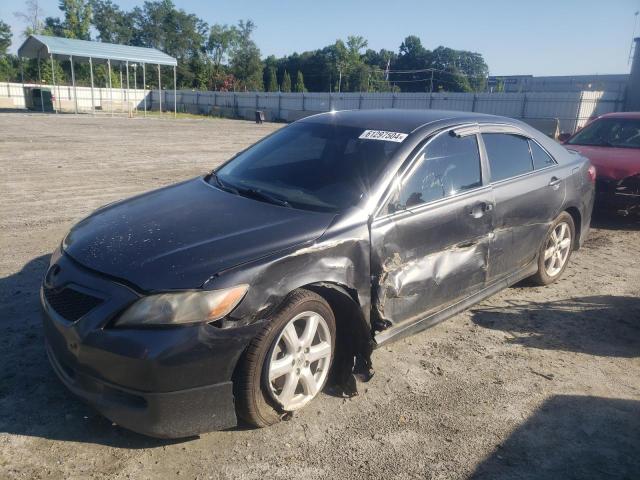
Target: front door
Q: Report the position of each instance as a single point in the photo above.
(430, 242)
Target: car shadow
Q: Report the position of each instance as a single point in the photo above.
(603, 325)
(611, 220)
(33, 402)
(570, 437)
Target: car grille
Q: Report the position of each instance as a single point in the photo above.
(70, 304)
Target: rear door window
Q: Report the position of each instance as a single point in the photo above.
(447, 166)
(541, 159)
(509, 155)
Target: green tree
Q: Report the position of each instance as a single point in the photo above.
(220, 42)
(182, 35)
(300, 88)
(53, 26)
(380, 59)
(113, 24)
(8, 68)
(160, 25)
(5, 38)
(222, 39)
(47, 77)
(354, 45)
(245, 59)
(468, 69)
(412, 56)
(272, 80)
(77, 18)
(286, 82)
(7, 62)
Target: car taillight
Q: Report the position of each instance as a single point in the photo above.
(591, 173)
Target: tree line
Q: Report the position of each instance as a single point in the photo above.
(226, 57)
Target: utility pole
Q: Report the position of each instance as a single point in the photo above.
(431, 87)
(340, 81)
(633, 36)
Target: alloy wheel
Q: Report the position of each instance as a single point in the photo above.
(557, 249)
(299, 361)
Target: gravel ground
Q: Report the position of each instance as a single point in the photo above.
(533, 383)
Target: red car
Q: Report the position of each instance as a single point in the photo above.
(612, 143)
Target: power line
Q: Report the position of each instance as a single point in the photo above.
(424, 70)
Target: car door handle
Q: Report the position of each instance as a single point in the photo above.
(554, 182)
(467, 244)
(479, 209)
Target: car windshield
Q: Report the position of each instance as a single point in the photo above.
(308, 165)
(610, 132)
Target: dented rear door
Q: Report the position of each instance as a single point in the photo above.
(430, 241)
(528, 197)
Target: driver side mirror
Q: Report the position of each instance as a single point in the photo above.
(563, 137)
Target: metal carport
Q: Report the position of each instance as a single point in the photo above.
(43, 46)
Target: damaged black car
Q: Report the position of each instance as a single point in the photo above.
(241, 293)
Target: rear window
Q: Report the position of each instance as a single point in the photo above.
(508, 154)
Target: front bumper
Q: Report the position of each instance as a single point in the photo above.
(167, 382)
(163, 415)
(612, 194)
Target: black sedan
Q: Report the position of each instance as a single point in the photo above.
(242, 292)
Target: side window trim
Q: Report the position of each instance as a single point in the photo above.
(409, 167)
(416, 209)
(553, 159)
(510, 130)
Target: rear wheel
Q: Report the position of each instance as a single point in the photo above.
(287, 364)
(555, 250)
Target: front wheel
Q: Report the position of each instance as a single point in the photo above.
(555, 251)
(287, 364)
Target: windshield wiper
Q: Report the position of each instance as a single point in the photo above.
(223, 186)
(260, 195)
(248, 192)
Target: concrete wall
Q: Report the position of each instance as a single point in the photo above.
(12, 95)
(571, 109)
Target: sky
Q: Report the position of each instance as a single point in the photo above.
(538, 37)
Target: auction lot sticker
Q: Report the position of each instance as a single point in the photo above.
(383, 135)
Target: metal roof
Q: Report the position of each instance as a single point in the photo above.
(62, 48)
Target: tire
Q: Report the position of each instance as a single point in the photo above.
(545, 274)
(261, 401)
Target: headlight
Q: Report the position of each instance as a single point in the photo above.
(182, 308)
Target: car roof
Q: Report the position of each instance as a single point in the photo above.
(634, 115)
(398, 120)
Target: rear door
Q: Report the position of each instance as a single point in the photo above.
(430, 240)
(529, 192)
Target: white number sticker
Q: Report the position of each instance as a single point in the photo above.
(383, 135)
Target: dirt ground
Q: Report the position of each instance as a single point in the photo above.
(533, 383)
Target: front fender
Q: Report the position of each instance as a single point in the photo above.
(340, 258)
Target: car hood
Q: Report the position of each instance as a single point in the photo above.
(179, 236)
(610, 162)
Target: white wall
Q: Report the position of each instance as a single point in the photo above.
(64, 96)
(572, 109)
